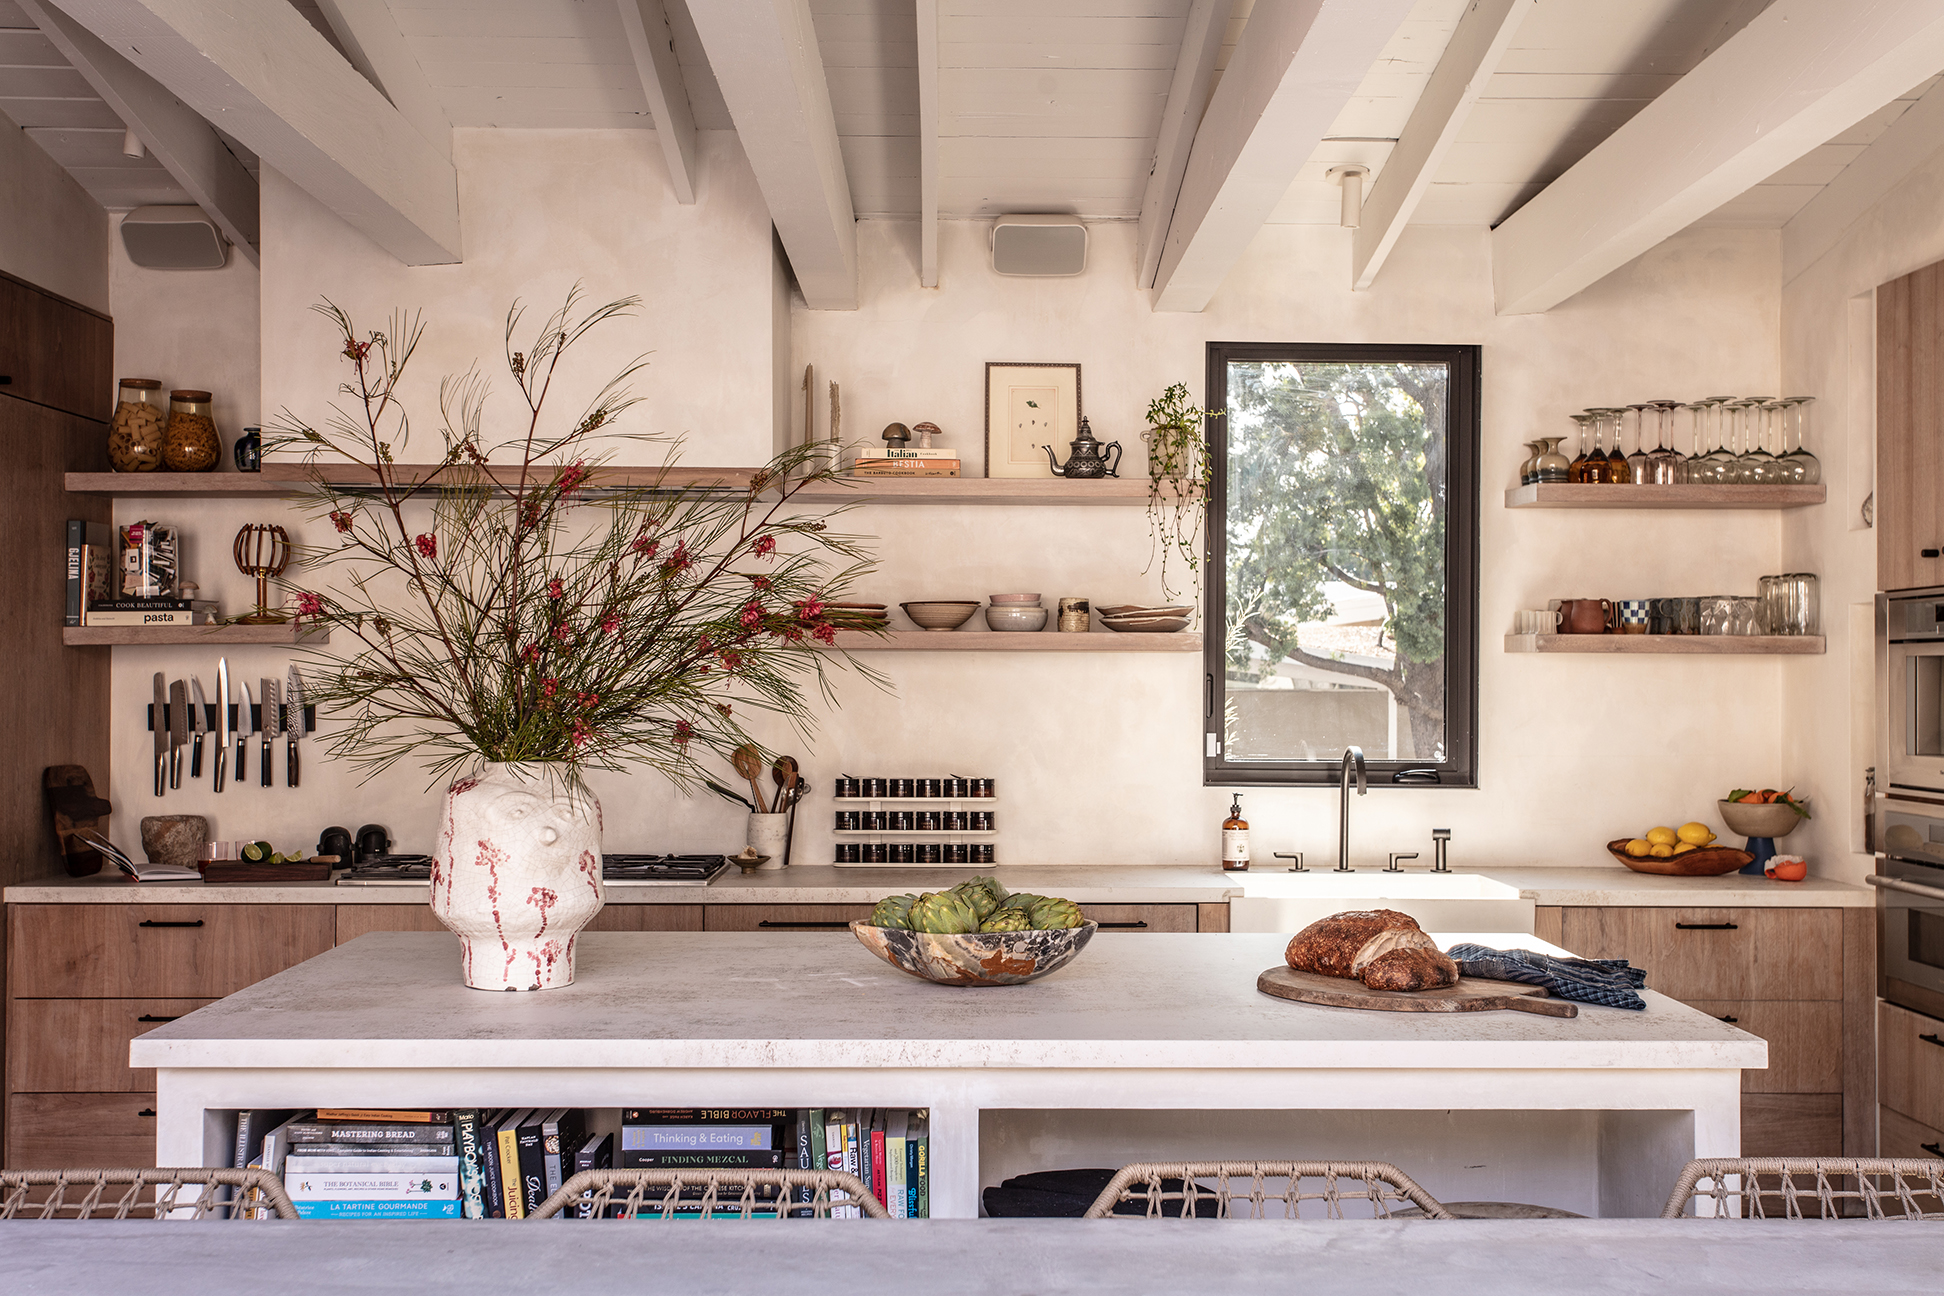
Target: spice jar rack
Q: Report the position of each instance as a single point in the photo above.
(915, 822)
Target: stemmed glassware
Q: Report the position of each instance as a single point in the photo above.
(1664, 462)
(1756, 464)
(1799, 467)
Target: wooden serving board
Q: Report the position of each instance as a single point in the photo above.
(1471, 994)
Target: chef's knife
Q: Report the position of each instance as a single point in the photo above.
(178, 730)
(293, 724)
(269, 725)
(161, 727)
(198, 724)
(245, 722)
(222, 722)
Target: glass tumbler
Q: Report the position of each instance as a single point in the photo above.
(1687, 616)
(1797, 607)
(1747, 617)
(1717, 614)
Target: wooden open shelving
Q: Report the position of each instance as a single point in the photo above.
(287, 479)
(1677, 645)
(288, 636)
(978, 490)
(1565, 495)
(1185, 641)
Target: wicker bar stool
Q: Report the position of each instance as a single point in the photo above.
(142, 1194)
(1147, 1185)
(710, 1194)
(1910, 1188)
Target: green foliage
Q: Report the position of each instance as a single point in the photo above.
(1178, 467)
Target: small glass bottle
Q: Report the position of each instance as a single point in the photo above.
(135, 431)
(190, 443)
(1235, 839)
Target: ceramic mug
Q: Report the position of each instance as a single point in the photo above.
(1632, 615)
(1585, 616)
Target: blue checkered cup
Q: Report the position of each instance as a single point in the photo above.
(1633, 615)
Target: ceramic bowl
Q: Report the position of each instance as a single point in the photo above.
(939, 614)
(1758, 820)
(1158, 625)
(976, 958)
(1136, 610)
(1013, 600)
(1711, 861)
(1023, 619)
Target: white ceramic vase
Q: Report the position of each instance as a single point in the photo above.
(767, 835)
(516, 874)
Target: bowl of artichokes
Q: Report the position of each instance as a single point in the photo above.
(976, 934)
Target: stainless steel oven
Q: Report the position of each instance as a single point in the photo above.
(1912, 666)
(1910, 910)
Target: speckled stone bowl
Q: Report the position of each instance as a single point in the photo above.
(976, 958)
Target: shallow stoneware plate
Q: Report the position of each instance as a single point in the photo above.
(975, 958)
(1135, 609)
(1712, 862)
(1164, 625)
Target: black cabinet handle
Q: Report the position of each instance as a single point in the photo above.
(1104, 926)
(150, 1017)
(1934, 1149)
(1927, 553)
(150, 922)
(1681, 926)
(837, 923)
(1730, 1018)
(6, 380)
(146, 1111)
(1932, 1039)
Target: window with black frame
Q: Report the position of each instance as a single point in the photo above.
(1342, 601)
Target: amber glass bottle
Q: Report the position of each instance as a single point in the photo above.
(1235, 839)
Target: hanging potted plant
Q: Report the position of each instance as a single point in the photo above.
(1178, 468)
(524, 616)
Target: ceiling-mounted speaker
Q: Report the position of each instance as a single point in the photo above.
(173, 238)
(1039, 247)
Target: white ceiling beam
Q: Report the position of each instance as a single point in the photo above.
(185, 144)
(1473, 54)
(1194, 74)
(268, 78)
(377, 48)
(766, 61)
(1294, 68)
(1910, 141)
(927, 143)
(1801, 72)
(646, 23)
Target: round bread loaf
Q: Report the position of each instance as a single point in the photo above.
(1342, 944)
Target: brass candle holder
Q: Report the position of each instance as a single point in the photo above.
(263, 551)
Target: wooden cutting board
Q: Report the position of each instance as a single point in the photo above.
(1471, 994)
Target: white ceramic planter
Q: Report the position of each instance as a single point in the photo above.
(516, 874)
(767, 833)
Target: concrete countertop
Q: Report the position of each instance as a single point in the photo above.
(740, 1000)
(977, 1257)
(1598, 885)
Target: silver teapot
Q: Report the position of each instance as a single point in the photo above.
(1087, 457)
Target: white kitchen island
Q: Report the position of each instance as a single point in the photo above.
(1152, 1046)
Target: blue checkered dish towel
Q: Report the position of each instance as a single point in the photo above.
(1609, 982)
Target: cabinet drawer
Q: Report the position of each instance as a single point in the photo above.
(80, 1131)
(1150, 918)
(81, 1045)
(784, 918)
(1792, 1125)
(1910, 1051)
(1805, 1039)
(1903, 1137)
(354, 921)
(123, 951)
(1694, 954)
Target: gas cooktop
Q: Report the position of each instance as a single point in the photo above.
(626, 870)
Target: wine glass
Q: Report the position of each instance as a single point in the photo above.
(1583, 438)
(1803, 468)
(1664, 461)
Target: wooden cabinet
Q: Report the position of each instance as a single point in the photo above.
(1910, 445)
(1911, 1049)
(781, 917)
(1802, 979)
(62, 1131)
(138, 951)
(1904, 1137)
(81, 1045)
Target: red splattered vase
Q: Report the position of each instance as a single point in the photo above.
(516, 874)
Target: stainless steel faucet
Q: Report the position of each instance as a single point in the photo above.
(1350, 755)
(1440, 843)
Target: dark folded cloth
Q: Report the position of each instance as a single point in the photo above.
(1609, 982)
(1068, 1194)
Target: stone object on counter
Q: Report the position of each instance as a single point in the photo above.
(176, 840)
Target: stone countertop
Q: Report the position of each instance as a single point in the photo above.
(957, 1257)
(757, 1000)
(1598, 885)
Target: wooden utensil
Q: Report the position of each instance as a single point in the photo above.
(749, 763)
(784, 771)
(1471, 994)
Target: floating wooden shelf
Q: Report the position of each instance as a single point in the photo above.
(288, 636)
(1008, 641)
(208, 485)
(287, 479)
(1694, 645)
(915, 832)
(1691, 496)
(979, 490)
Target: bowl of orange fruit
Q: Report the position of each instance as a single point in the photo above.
(1766, 813)
(1687, 851)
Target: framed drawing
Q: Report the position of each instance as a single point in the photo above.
(1029, 407)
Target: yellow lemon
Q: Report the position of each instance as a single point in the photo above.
(1685, 847)
(1639, 846)
(1660, 852)
(1695, 834)
(1662, 836)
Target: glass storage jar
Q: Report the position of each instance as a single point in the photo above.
(135, 431)
(190, 443)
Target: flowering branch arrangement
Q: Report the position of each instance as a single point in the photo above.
(525, 603)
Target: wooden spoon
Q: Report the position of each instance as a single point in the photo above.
(749, 763)
(784, 771)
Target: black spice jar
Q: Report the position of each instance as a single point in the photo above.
(877, 853)
(848, 853)
(957, 853)
(926, 821)
(847, 821)
(956, 820)
(876, 788)
(931, 853)
(900, 820)
(904, 853)
(982, 853)
(982, 788)
(870, 820)
(903, 787)
(931, 787)
(981, 821)
(956, 786)
(846, 786)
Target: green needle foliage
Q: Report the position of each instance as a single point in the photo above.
(523, 606)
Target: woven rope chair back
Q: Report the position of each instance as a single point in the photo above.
(1262, 1190)
(181, 1194)
(1810, 1188)
(712, 1194)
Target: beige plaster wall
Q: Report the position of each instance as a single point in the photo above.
(52, 234)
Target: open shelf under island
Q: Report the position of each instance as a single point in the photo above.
(1686, 495)
(1689, 645)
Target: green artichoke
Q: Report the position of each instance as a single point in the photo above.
(1022, 900)
(1007, 920)
(893, 911)
(944, 913)
(1054, 912)
(982, 901)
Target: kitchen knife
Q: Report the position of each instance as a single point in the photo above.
(198, 724)
(268, 726)
(178, 730)
(245, 722)
(222, 722)
(293, 724)
(161, 727)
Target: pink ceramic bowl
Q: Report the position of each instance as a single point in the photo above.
(1013, 600)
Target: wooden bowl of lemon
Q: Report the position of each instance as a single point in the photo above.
(1688, 851)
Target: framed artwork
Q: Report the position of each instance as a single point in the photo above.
(1029, 407)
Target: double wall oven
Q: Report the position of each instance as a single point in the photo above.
(1909, 828)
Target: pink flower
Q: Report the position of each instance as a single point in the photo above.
(581, 733)
(309, 607)
(610, 623)
(678, 561)
(644, 546)
(530, 654)
(563, 632)
(810, 609)
(572, 477)
(683, 731)
(548, 687)
(555, 589)
(752, 614)
(761, 582)
(825, 634)
(342, 521)
(732, 661)
(703, 646)
(428, 545)
(764, 546)
(356, 350)
(587, 700)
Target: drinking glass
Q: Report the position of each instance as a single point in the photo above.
(1717, 615)
(1747, 617)
(1664, 461)
(1804, 468)
(1601, 465)
(1584, 422)
(1703, 467)
(1721, 457)
(1792, 604)
(1637, 466)
(1687, 616)
(1753, 462)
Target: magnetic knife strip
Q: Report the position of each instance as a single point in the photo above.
(236, 708)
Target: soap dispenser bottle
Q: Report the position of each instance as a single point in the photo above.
(1235, 839)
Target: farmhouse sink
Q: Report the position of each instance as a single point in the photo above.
(1288, 902)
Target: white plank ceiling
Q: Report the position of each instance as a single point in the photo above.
(1044, 105)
